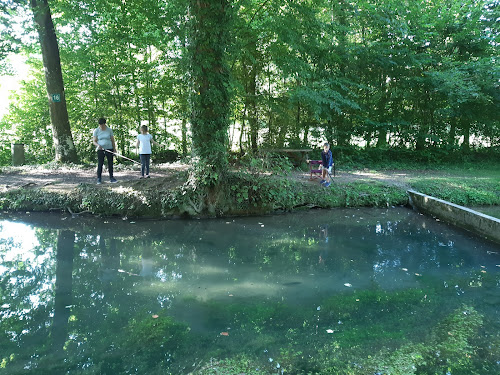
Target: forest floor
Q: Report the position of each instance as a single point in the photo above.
(66, 178)
(46, 187)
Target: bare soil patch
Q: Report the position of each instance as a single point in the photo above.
(167, 176)
(67, 178)
(164, 175)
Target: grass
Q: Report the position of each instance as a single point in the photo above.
(253, 193)
(473, 187)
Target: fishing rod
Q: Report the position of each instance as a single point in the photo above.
(121, 156)
(329, 174)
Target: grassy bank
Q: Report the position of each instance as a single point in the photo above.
(254, 193)
(469, 187)
(242, 195)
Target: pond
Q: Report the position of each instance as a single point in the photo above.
(344, 291)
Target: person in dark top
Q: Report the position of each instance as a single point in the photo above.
(327, 162)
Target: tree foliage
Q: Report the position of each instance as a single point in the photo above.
(407, 75)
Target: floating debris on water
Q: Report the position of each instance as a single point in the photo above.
(348, 285)
(330, 331)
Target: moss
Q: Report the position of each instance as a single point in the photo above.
(231, 366)
(154, 341)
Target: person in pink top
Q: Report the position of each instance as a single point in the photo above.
(143, 145)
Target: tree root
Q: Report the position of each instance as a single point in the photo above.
(28, 184)
(73, 214)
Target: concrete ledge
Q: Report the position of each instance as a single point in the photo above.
(476, 222)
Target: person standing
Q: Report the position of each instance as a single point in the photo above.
(327, 162)
(143, 145)
(105, 146)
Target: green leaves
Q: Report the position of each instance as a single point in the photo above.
(417, 74)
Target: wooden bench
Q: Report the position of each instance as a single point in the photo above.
(315, 167)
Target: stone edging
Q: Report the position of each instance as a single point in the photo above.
(476, 222)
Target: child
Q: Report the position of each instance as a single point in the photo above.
(144, 148)
(327, 162)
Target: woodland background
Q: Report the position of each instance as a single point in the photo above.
(386, 78)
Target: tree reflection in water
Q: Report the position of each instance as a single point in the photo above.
(158, 297)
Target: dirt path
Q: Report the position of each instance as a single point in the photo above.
(64, 178)
(398, 178)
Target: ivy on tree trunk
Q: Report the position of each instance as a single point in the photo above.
(210, 79)
(65, 150)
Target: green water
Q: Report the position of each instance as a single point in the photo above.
(359, 291)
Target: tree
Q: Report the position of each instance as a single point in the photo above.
(210, 80)
(65, 150)
(8, 41)
(414, 74)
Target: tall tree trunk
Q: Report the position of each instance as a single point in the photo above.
(184, 136)
(242, 132)
(65, 150)
(424, 127)
(466, 133)
(210, 78)
(270, 130)
(251, 92)
(382, 119)
(94, 86)
(252, 105)
(343, 129)
(305, 139)
(296, 133)
(452, 132)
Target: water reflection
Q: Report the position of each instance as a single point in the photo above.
(110, 261)
(63, 296)
(101, 290)
(147, 262)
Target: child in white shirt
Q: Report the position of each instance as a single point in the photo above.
(144, 141)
